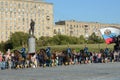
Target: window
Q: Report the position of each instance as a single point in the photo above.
(42, 11)
(10, 27)
(59, 32)
(62, 30)
(35, 6)
(47, 11)
(14, 9)
(43, 28)
(18, 10)
(6, 4)
(77, 26)
(38, 33)
(19, 5)
(23, 10)
(1, 36)
(14, 27)
(2, 3)
(6, 9)
(71, 27)
(10, 14)
(43, 33)
(26, 5)
(23, 5)
(48, 27)
(23, 21)
(10, 9)
(14, 4)
(55, 32)
(11, 5)
(74, 25)
(6, 32)
(67, 24)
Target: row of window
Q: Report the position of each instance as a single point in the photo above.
(24, 5)
(74, 32)
(14, 16)
(83, 26)
(42, 11)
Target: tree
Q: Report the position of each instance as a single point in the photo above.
(18, 39)
(57, 39)
(8, 45)
(95, 39)
(43, 41)
(82, 39)
(2, 46)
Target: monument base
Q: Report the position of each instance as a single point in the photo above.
(31, 45)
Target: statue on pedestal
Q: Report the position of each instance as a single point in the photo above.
(31, 39)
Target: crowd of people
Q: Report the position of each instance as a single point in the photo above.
(45, 58)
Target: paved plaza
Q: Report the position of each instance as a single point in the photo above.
(98, 71)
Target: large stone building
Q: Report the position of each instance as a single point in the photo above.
(15, 15)
(75, 28)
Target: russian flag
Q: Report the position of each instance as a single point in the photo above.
(109, 33)
(109, 38)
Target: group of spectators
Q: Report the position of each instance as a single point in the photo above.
(44, 58)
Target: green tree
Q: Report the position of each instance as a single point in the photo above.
(8, 45)
(18, 39)
(93, 38)
(82, 39)
(43, 41)
(2, 46)
(59, 39)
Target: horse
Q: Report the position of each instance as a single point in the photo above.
(19, 60)
(54, 58)
(42, 57)
(66, 57)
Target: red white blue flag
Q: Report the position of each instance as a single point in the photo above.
(109, 33)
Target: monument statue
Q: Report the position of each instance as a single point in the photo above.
(31, 39)
(31, 31)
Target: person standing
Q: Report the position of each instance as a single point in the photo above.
(48, 52)
(86, 49)
(1, 60)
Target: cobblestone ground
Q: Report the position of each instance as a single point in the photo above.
(99, 71)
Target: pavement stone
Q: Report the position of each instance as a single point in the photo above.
(94, 71)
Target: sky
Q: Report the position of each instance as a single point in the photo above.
(102, 11)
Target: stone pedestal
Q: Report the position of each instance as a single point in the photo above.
(31, 45)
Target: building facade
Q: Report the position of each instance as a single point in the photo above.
(16, 15)
(75, 28)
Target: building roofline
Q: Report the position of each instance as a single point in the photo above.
(35, 1)
(86, 22)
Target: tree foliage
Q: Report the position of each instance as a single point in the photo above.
(2, 46)
(18, 39)
(63, 40)
(95, 39)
